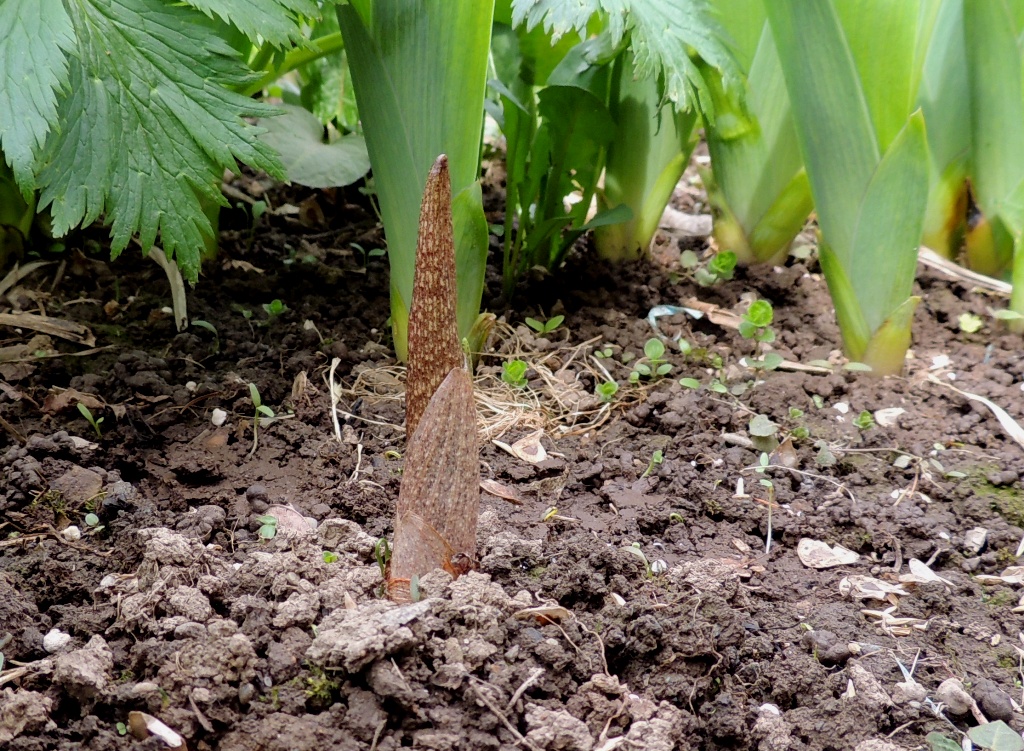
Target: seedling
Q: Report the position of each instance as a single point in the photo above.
(382, 554)
(261, 409)
(762, 433)
(634, 549)
(690, 383)
(547, 326)
(675, 518)
(756, 325)
(606, 391)
(657, 458)
(969, 323)
(756, 322)
(865, 420)
(330, 557)
(212, 329)
(800, 431)
(274, 308)
(94, 421)
(602, 354)
(720, 268)
(513, 372)
(653, 363)
(268, 527)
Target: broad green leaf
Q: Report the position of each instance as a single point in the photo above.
(945, 99)
(997, 736)
(470, 227)
(661, 33)
(830, 112)
(757, 186)
(884, 251)
(888, 42)
(149, 126)
(35, 37)
(993, 41)
(275, 21)
(297, 136)
(420, 72)
(646, 158)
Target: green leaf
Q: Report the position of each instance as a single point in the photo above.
(760, 313)
(149, 127)
(661, 33)
(969, 323)
(654, 349)
(938, 742)
(407, 63)
(761, 426)
(690, 383)
(997, 736)
(35, 37)
(297, 136)
(276, 21)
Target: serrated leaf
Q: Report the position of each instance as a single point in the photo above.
(297, 136)
(661, 33)
(35, 36)
(149, 126)
(275, 21)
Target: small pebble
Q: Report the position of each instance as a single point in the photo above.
(55, 640)
(218, 417)
(995, 703)
(72, 533)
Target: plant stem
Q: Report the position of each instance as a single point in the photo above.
(296, 58)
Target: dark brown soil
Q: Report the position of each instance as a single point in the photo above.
(175, 606)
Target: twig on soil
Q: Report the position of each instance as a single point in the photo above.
(13, 431)
(600, 643)
(376, 734)
(496, 711)
(334, 398)
(530, 680)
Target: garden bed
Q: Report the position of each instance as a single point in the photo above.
(632, 595)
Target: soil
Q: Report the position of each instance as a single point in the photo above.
(626, 602)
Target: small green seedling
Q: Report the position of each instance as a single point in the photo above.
(757, 321)
(689, 383)
(382, 554)
(606, 391)
(274, 308)
(634, 549)
(261, 409)
(330, 557)
(94, 421)
(800, 431)
(513, 372)
(268, 527)
(756, 325)
(653, 363)
(603, 354)
(720, 268)
(969, 323)
(212, 329)
(865, 420)
(657, 458)
(122, 729)
(547, 326)
(675, 518)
